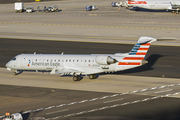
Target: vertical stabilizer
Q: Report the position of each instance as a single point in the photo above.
(137, 55)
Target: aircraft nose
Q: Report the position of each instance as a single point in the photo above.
(8, 65)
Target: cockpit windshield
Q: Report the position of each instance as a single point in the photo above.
(14, 59)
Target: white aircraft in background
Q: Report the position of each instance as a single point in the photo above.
(78, 65)
(173, 5)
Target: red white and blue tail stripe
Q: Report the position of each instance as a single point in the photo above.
(138, 53)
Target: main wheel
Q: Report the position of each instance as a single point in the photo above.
(76, 78)
(92, 76)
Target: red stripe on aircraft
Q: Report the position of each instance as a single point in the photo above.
(147, 44)
(133, 58)
(143, 48)
(129, 63)
(137, 2)
(140, 53)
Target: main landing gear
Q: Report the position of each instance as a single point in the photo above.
(76, 78)
(92, 76)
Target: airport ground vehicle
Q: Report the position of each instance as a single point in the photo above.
(116, 4)
(90, 7)
(19, 7)
(29, 9)
(52, 9)
(16, 116)
(41, 8)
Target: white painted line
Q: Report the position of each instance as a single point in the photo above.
(49, 107)
(57, 112)
(103, 108)
(134, 91)
(80, 112)
(172, 85)
(176, 93)
(113, 100)
(27, 111)
(143, 90)
(114, 105)
(122, 93)
(153, 88)
(92, 110)
(104, 97)
(61, 105)
(163, 91)
(168, 94)
(135, 101)
(69, 115)
(155, 97)
(114, 95)
(40, 109)
(162, 86)
(126, 103)
(72, 103)
(145, 99)
(83, 101)
(94, 99)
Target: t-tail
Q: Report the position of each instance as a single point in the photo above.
(137, 55)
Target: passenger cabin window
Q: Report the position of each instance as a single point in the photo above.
(14, 59)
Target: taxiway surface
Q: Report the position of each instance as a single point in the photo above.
(112, 96)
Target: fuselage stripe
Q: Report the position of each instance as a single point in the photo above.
(129, 63)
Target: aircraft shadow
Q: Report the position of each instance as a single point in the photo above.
(151, 61)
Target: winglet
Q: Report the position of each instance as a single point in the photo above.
(144, 40)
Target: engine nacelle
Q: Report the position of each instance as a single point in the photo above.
(105, 60)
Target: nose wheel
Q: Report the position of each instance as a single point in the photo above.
(15, 73)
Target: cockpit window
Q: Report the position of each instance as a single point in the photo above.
(14, 59)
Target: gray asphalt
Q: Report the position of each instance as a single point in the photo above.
(163, 60)
(21, 99)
